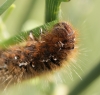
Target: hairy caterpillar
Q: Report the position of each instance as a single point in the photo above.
(37, 56)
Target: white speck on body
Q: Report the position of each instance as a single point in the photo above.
(15, 57)
(31, 36)
(42, 41)
(74, 39)
(61, 43)
(33, 65)
(45, 60)
(59, 49)
(23, 64)
(55, 59)
(41, 31)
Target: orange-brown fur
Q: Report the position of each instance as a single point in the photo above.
(37, 57)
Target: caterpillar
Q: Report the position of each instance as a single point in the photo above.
(37, 57)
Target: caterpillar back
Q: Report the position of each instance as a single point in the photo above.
(37, 57)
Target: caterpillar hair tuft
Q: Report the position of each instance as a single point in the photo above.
(37, 56)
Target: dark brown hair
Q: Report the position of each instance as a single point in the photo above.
(37, 57)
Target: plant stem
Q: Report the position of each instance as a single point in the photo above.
(24, 35)
(6, 5)
(8, 12)
(52, 9)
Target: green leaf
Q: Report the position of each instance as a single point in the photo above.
(5, 6)
(24, 35)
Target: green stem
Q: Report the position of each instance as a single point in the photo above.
(86, 81)
(5, 6)
(23, 35)
(8, 12)
(52, 9)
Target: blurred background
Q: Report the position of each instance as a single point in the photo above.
(84, 15)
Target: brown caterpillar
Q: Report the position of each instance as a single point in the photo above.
(37, 57)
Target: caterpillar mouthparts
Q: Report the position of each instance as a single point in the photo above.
(37, 56)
